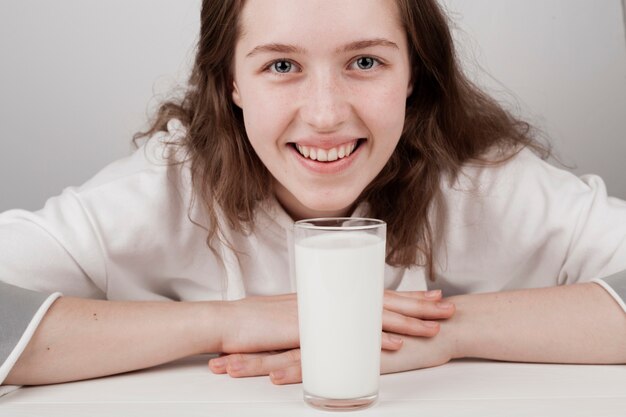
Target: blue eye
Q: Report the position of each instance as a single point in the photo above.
(281, 67)
(365, 62)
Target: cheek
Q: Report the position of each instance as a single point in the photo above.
(384, 110)
(266, 117)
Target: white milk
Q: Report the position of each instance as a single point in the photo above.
(340, 278)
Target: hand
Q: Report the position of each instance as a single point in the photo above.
(284, 367)
(412, 312)
(261, 324)
(401, 310)
(257, 324)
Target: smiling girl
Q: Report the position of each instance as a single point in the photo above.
(310, 108)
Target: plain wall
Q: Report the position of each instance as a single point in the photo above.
(78, 78)
(560, 64)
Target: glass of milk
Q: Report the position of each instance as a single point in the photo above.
(339, 267)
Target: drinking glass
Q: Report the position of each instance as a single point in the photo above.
(339, 267)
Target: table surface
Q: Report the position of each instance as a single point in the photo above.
(459, 388)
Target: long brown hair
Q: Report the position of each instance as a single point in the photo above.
(449, 121)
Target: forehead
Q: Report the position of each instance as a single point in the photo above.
(318, 21)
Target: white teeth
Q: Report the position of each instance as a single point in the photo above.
(304, 150)
(323, 155)
(332, 154)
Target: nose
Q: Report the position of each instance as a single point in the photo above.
(325, 104)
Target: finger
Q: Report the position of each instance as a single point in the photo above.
(401, 324)
(218, 365)
(290, 375)
(417, 295)
(262, 364)
(391, 341)
(417, 303)
(414, 307)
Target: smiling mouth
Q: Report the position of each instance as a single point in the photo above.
(328, 155)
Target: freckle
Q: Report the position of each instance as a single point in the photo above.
(95, 316)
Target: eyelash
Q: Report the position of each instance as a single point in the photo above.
(268, 67)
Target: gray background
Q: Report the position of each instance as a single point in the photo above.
(79, 77)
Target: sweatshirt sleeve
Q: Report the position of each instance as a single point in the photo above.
(577, 214)
(122, 218)
(524, 223)
(597, 250)
(43, 254)
(592, 225)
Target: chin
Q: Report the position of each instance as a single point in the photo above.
(305, 201)
(328, 207)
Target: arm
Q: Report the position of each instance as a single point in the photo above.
(539, 227)
(118, 224)
(81, 338)
(578, 323)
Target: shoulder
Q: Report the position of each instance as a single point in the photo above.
(521, 174)
(157, 156)
(532, 222)
(151, 186)
(524, 196)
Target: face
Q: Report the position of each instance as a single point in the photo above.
(322, 85)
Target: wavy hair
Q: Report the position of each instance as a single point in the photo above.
(449, 121)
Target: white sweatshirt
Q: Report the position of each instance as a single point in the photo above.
(128, 234)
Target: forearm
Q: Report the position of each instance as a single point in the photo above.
(578, 323)
(80, 339)
(572, 324)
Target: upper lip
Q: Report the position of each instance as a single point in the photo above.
(326, 142)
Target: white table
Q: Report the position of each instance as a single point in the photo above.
(460, 388)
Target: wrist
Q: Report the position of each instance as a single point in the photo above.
(210, 320)
(452, 330)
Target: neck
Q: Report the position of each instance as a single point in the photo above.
(298, 211)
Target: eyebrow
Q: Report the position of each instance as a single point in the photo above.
(275, 47)
(292, 49)
(368, 43)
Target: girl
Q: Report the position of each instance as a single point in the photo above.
(299, 109)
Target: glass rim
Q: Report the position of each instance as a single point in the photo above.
(308, 223)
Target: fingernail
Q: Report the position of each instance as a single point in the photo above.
(218, 362)
(433, 294)
(235, 366)
(278, 375)
(395, 339)
(431, 324)
(444, 304)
